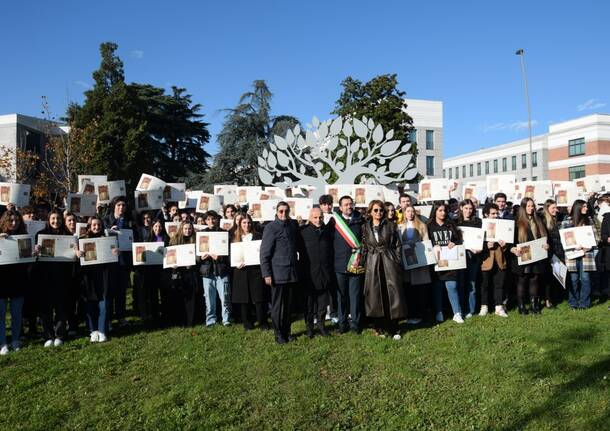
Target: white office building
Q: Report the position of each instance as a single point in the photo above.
(427, 118)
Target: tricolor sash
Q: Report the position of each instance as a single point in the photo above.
(356, 263)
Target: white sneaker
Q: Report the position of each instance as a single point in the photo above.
(457, 318)
(94, 337)
(415, 321)
(396, 337)
(440, 317)
(469, 315)
(500, 311)
(335, 320)
(58, 342)
(4, 350)
(48, 343)
(484, 310)
(101, 337)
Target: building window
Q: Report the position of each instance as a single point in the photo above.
(444, 173)
(576, 172)
(523, 161)
(450, 173)
(504, 165)
(464, 171)
(429, 139)
(523, 179)
(479, 169)
(576, 147)
(430, 165)
(496, 166)
(457, 172)
(514, 162)
(487, 167)
(471, 170)
(534, 159)
(534, 178)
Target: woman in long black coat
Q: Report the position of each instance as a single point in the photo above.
(248, 287)
(383, 294)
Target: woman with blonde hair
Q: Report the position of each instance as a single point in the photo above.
(413, 230)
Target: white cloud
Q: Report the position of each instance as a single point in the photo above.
(138, 54)
(82, 84)
(590, 104)
(513, 127)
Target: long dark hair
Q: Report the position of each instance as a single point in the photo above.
(435, 208)
(523, 221)
(462, 205)
(5, 221)
(579, 219)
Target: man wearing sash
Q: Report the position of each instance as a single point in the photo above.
(347, 237)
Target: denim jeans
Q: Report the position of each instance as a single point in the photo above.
(16, 307)
(468, 281)
(452, 292)
(96, 316)
(213, 287)
(579, 294)
(349, 298)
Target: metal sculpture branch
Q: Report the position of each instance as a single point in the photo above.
(351, 149)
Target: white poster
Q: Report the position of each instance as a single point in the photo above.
(391, 195)
(365, 193)
(149, 183)
(191, 199)
(34, 226)
(81, 229)
(299, 191)
(560, 270)
(575, 237)
(247, 194)
(107, 191)
(472, 238)
(532, 251)
(209, 202)
(98, 250)
(271, 193)
(171, 227)
(16, 194)
(213, 242)
(147, 253)
(501, 183)
(497, 230)
(179, 256)
(433, 190)
(299, 207)
(565, 196)
(151, 200)
(86, 183)
(451, 259)
(174, 192)
(246, 252)
(337, 191)
(228, 192)
(539, 191)
(226, 224)
(418, 255)
(423, 211)
(124, 238)
(200, 227)
(56, 248)
(16, 249)
(83, 205)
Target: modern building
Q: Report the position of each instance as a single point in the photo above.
(427, 118)
(21, 132)
(571, 149)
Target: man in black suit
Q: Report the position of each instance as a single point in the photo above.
(316, 264)
(278, 256)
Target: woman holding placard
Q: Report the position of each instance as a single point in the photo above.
(550, 214)
(74, 306)
(444, 233)
(96, 279)
(528, 227)
(413, 230)
(153, 280)
(493, 268)
(579, 293)
(52, 294)
(383, 292)
(468, 277)
(248, 287)
(14, 278)
(184, 281)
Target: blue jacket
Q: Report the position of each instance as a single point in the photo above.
(281, 242)
(342, 250)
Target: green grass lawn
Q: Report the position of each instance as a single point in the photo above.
(544, 372)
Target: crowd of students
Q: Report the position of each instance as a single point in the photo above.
(347, 270)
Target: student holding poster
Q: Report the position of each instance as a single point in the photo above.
(74, 305)
(493, 268)
(95, 283)
(413, 231)
(579, 269)
(14, 278)
(248, 287)
(184, 281)
(53, 288)
(528, 227)
(215, 272)
(552, 288)
(444, 233)
(469, 276)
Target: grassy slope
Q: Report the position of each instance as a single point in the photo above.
(539, 372)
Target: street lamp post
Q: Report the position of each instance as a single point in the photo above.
(521, 53)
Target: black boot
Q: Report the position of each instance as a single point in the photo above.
(535, 305)
(522, 310)
(322, 329)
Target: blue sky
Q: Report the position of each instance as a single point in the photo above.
(459, 52)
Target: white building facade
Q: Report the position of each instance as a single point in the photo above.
(427, 118)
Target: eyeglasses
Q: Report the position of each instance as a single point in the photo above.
(283, 211)
(378, 210)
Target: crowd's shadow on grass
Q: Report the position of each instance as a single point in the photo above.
(560, 357)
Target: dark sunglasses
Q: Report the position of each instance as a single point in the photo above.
(378, 210)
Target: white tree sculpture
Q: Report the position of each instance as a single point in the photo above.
(350, 148)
